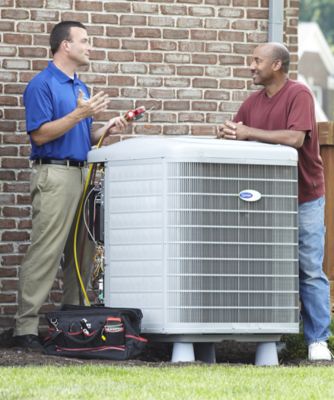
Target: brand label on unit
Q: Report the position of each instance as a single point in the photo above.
(250, 195)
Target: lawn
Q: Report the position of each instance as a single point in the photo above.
(166, 382)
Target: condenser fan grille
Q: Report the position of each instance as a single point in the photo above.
(230, 260)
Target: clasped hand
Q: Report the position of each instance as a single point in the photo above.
(232, 130)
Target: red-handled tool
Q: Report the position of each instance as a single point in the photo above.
(133, 115)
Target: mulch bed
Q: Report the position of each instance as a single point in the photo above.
(155, 355)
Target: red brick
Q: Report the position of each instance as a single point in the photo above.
(39, 65)
(43, 15)
(9, 310)
(9, 285)
(175, 130)
(8, 100)
(232, 84)
(22, 248)
(177, 105)
(109, 19)
(231, 60)
(121, 56)
(30, 3)
(8, 151)
(117, 7)
(19, 212)
(174, 10)
(257, 14)
(7, 26)
(24, 151)
(97, 55)
(204, 106)
(24, 176)
(164, 117)
(41, 40)
(6, 175)
(8, 272)
(106, 43)
(11, 260)
(13, 38)
(121, 81)
(16, 139)
(148, 57)
(147, 129)
(7, 199)
(198, 34)
(133, 20)
(14, 88)
(15, 163)
(119, 32)
(23, 200)
(14, 113)
(30, 27)
(135, 44)
(16, 187)
(162, 93)
(190, 71)
(88, 5)
(75, 16)
(33, 52)
(192, 117)
(203, 130)
(165, 45)
(7, 3)
(7, 223)
(180, 34)
(8, 297)
(8, 76)
(147, 8)
(134, 92)
(11, 236)
(205, 83)
(6, 247)
(7, 51)
(25, 224)
(204, 59)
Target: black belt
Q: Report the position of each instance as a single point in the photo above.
(68, 163)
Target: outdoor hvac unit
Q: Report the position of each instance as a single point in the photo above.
(201, 235)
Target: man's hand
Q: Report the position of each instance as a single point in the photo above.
(116, 125)
(113, 126)
(93, 106)
(232, 130)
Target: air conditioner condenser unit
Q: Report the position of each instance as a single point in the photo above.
(201, 234)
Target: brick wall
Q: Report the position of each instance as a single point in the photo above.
(186, 58)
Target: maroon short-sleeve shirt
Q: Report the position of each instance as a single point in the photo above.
(291, 108)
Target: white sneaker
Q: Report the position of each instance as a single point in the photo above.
(319, 351)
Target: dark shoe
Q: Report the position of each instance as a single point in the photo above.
(29, 342)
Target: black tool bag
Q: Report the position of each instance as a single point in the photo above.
(95, 332)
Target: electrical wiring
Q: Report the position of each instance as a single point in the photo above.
(75, 239)
(91, 235)
(129, 116)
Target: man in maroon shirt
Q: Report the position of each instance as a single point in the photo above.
(283, 113)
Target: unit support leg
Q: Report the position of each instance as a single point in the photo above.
(183, 352)
(266, 354)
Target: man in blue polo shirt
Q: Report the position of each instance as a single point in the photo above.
(59, 116)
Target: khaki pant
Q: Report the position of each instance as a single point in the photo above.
(55, 191)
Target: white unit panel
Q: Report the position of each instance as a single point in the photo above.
(187, 248)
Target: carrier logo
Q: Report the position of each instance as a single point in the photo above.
(250, 195)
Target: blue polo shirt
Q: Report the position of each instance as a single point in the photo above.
(51, 95)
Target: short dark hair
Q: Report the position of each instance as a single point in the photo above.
(280, 52)
(61, 32)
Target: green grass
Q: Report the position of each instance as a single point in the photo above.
(171, 382)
